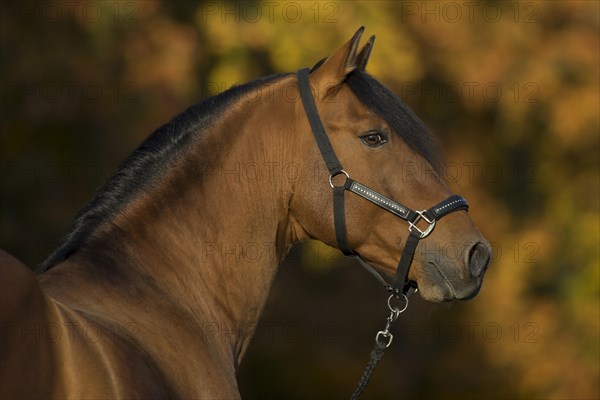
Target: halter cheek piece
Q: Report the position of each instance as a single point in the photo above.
(401, 286)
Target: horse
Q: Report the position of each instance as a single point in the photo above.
(122, 308)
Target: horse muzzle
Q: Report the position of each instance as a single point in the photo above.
(445, 278)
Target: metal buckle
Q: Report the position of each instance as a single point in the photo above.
(421, 216)
(336, 174)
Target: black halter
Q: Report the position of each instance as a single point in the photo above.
(401, 285)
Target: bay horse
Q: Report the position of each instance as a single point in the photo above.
(163, 252)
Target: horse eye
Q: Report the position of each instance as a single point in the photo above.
(374, 139)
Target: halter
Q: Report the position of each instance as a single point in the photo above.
(401, 286)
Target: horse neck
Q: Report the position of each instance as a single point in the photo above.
(204, 244)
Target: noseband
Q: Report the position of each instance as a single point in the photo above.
(401, 285)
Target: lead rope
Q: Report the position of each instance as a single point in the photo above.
(383, 340)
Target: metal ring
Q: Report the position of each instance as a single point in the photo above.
(336, 174)
(396, 310)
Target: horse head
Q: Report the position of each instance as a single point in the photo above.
(390, 154)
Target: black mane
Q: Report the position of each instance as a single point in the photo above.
(144, 165)
(398, 115)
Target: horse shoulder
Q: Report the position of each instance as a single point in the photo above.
(48, 350)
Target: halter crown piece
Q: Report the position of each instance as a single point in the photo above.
(401, 285)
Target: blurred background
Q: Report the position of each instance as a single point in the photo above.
(510, 88)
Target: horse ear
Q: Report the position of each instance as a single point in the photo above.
(339, 64)
(363, 56)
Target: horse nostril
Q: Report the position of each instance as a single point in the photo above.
(479, 258)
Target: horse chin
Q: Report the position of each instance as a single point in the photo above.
(435, 286)
(436, 292)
